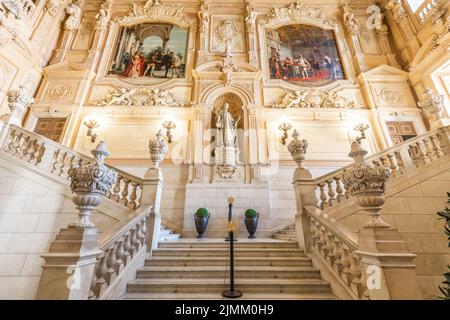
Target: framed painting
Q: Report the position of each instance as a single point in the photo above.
(304, 55)
(150, 50)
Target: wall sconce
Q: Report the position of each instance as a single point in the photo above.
(285, 127)
(169, 125)
(361, 127)
(91, 124)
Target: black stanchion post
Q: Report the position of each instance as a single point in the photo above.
(231, 293)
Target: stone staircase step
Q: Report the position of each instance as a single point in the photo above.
(286, 237)
(221, 243)
(223, 261)
(181, 272)
(169, 237)
(219, 284)
(218, 296)
(208, 252)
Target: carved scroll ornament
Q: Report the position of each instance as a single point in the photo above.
(312, 98)
(141, 96)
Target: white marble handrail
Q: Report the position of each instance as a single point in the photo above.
(400, 159)
(119, 249)
(57, 160)
(337, 247)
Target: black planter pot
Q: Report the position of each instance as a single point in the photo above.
(200, 224)
(251, 224)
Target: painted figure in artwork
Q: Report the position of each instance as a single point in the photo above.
(160, 48)
(303, 54)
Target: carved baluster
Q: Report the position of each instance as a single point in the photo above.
(355, 269)
(331, 192)
(134, 241)
(347, 194)
(422, 154)
(23, 147)
(92, 295)
(414, 154)
(16, 145)
(120, 256)
(323, 196)
(56, 159)
(40, 153)
(102, 269)
(399, 161)
(436, 146)
(385, 161)
(132, 204)
(330, 248)
(10, 141)
(442, 143)
(128, 249)
(29, 148)
(139, 234)
(346, 262)
(144, 228)
(393, 164)
(111, 263)
(337, 254)
(116, 190)
(321, 241)
(429, 149)
(339, 189)
(314, 232)
(124, 195)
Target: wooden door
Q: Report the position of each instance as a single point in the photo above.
(51, 128)
(400, 131)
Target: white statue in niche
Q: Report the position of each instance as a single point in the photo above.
(226, 124)
(73, 20)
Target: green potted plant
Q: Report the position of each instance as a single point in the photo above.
(201, 218)
(251, 222)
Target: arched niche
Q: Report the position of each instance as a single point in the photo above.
(237, 110)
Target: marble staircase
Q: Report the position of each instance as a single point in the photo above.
(198, 269)
(287, 234)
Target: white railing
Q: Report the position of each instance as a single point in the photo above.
(337, 247)
(57, 160)
(400, 159)
(118, 251)
(426, 10)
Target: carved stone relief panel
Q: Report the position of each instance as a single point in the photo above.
(227, 34)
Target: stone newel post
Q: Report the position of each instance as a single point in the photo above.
(70, 263)
(304, 190)
(368, 184)
(152, 189)
(388, 265)
(90, 183)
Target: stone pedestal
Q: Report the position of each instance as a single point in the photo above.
(151, 195)
(305, 196)
(390, 269)
(69, 265)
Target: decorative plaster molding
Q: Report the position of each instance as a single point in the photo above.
(432, 105)
(312, 98)
(104, 15)
(397, 9)
(60, 92)
(298, 12)
(74, 16)
(52, 7)
(141, 96)
(153, 9)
